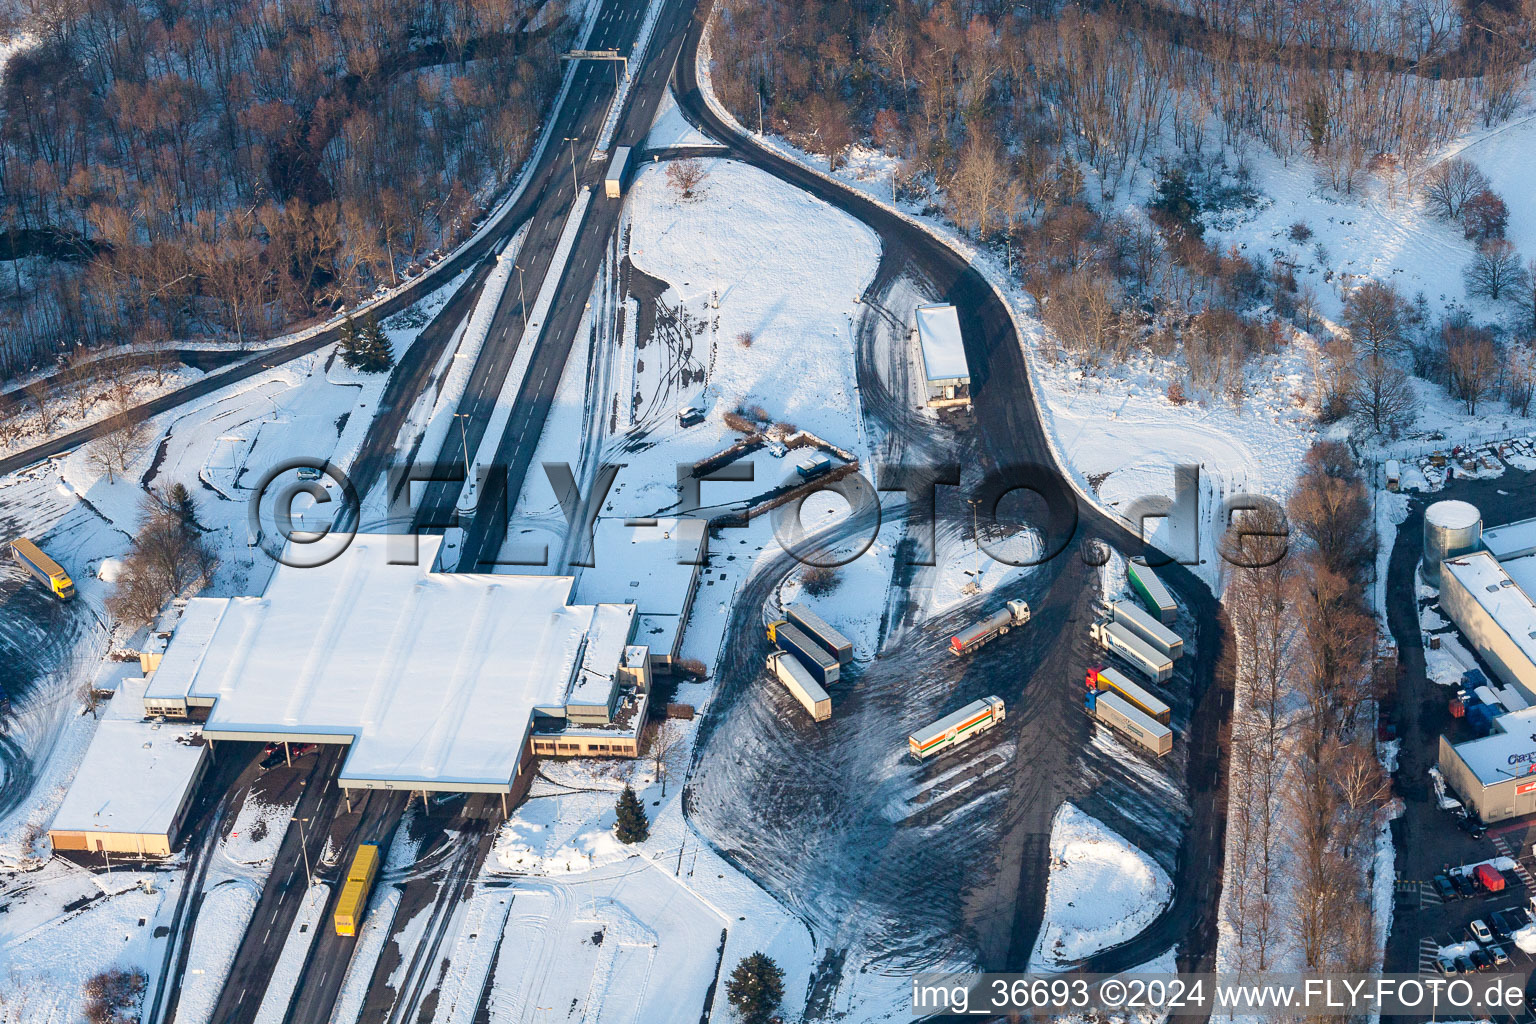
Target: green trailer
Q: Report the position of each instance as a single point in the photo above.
(1152, 592)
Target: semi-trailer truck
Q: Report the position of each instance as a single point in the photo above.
(815, 627)
(952, 730)
(1014, 613)
(31, 558)
(1151, 591)
(800, 685)
(1107, 678)
(618, 167)
(1124, 718)
(818, 662)
(1149, 629)
(1151, 662)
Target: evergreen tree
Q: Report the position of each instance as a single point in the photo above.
(756, 988)
(1177, 201)
(632, 825)
(351, 338)
(179, 502)
(375, 353)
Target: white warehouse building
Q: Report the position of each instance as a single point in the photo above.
(947, 375)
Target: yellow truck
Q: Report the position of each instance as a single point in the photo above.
(31, 558)
(354, 894)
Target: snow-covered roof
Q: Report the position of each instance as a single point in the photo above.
(193, 633)
(134, 777)
(432, 677)
(1452, 515)
(938, 332)
(111, 674)
(607, 639)
(649, 565)
(1509, 753)
(1500, 595)
(1514, 540)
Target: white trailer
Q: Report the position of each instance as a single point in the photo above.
(1130, 722)
(1148, 628)
(613, 181)
(813, 625)
(1151, 591)
(1151, 662)
(800, 685)
(951, 730)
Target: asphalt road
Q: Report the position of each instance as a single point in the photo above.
(1013, 439)
(553, 192)
(286, 886)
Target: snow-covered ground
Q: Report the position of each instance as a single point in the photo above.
(1102, 891)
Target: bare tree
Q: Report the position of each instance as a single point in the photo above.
(1495, 270)
(1472, 372)
(1451, 183)
(168, 556)
(666, 743)
(1520, 377)
(686, 175)
(1383, 394)
(1375, 314)
(125, 439)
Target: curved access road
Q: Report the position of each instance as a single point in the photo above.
(1010, 432)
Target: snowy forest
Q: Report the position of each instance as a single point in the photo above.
(218, 169)
(1030, 125)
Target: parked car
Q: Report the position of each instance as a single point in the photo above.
(1464, 884)
(1445, 890)
(1500, 958)
(1516, 917)
(1447, 967)
(1464, 964)
(309, 473)
(1472, 827)
(1479, 931)
(1499, 926)
(1481, 960)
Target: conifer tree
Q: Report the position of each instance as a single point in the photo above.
(756, 988)
(632, 825)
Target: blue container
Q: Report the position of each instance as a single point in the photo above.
(1472, 678)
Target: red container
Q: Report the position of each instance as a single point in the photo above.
(1491, 879)
(1458, 709)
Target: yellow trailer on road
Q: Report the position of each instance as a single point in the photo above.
(354, 894)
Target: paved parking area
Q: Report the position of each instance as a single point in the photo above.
(1444, 923)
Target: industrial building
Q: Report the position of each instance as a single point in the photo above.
(433, 681)
(947, 375)
(654, 565)
(135, 784)
(1495, 776)
(1486, 581)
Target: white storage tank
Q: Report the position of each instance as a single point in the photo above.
(1451, 528)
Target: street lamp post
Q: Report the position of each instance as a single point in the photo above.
(464, 437)
(309, 876)
(574, 183)
(522, 297)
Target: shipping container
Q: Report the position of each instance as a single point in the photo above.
(821, 665)
(1138, 621)
(1152, 663)
(1490, 877)
(354, 892)
(31, 558)
(951, 730)
(618, 167)
(788, 670)
(1108, 678)
(1126, 719)
(813, 466)
(1152, 592)
(1014, 613)
(814, 626)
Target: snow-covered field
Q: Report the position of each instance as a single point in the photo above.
(1102, 891)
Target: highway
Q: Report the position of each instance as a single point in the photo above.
(556, 192)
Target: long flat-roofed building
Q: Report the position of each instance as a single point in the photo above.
(945, 370)
(434, 681)
(1488, 603)
(135, 783)
(1495, 775)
